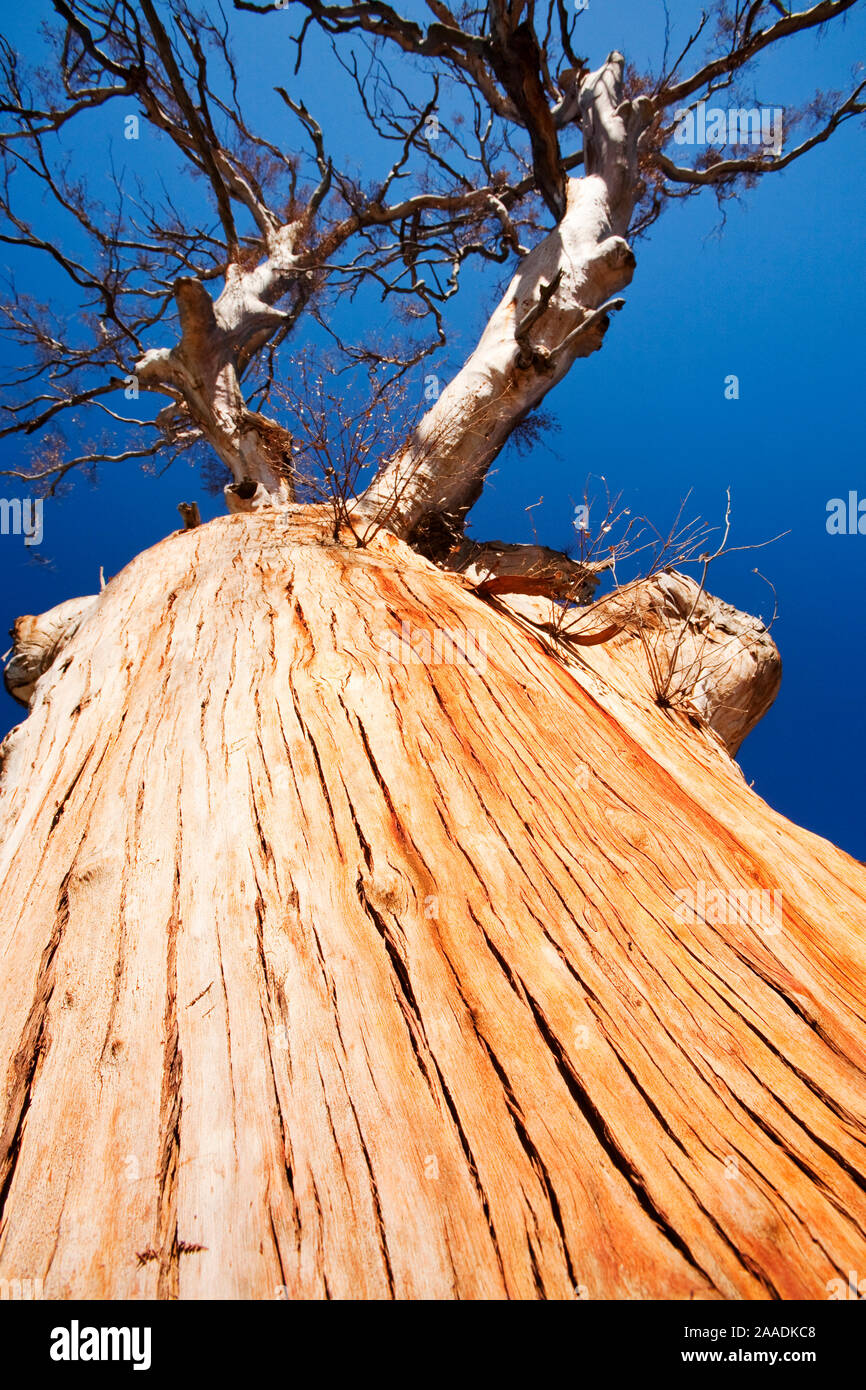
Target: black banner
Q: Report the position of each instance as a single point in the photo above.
(83, 1340)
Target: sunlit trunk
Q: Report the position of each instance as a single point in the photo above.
(341, 958)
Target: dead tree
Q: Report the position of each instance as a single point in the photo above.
(361, 936)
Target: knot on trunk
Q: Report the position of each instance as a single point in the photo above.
(37, 641)
(703, 655)
(251, 496)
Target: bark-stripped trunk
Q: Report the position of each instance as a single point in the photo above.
(201, 371)
(555, 310)
(334, 972)
(549, 316)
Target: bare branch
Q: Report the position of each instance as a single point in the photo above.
(748, 45)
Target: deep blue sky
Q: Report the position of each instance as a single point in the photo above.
(777, 297)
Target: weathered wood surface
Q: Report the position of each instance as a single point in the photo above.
(361, 977)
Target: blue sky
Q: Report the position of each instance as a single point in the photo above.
(776, 297)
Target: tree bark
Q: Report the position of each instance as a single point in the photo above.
(333, 971)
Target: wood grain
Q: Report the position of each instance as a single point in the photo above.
(327, 974)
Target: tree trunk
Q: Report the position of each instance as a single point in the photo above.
(335, 968)
(554, 312)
